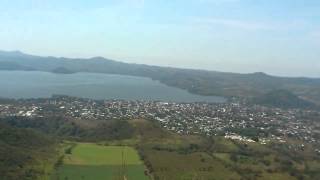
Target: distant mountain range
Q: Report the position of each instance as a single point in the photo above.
(195, 81)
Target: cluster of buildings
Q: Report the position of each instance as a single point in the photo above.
(234, 120)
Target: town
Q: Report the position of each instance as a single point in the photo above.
(234, 120)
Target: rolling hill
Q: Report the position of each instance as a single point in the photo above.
(24, 153)
(283, 99)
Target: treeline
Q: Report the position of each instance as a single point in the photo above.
(65, 128)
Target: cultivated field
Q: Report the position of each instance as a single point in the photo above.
(86, 161)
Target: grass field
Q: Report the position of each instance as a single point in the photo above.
(91, 161)
(172, 165)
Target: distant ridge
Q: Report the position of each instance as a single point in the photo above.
(11, 53)
(14, 66)
(201, 82)
(62, 70)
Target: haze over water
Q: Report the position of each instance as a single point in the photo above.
(24, 84)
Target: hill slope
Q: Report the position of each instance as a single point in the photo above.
(283, 99)
(22, 153)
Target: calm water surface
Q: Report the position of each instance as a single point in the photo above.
(22, 84)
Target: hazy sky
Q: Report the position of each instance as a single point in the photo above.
(279, 37)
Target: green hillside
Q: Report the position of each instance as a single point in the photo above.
(25, 154)
(283, 99)
(166, 155)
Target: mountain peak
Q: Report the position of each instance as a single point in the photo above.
(11, 53)
(98, 58)
(260, 74)
(17, 52)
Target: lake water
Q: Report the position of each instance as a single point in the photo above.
(23, 84)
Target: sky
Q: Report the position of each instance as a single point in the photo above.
(279, 37)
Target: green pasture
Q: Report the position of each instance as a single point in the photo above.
(88, 161)
(100, 172)
(92, 154)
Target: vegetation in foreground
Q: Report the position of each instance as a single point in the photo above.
(25, 154)
(172, 156)
(166, 155)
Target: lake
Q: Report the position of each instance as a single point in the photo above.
(35, 84)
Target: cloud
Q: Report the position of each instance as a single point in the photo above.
(233, 23)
